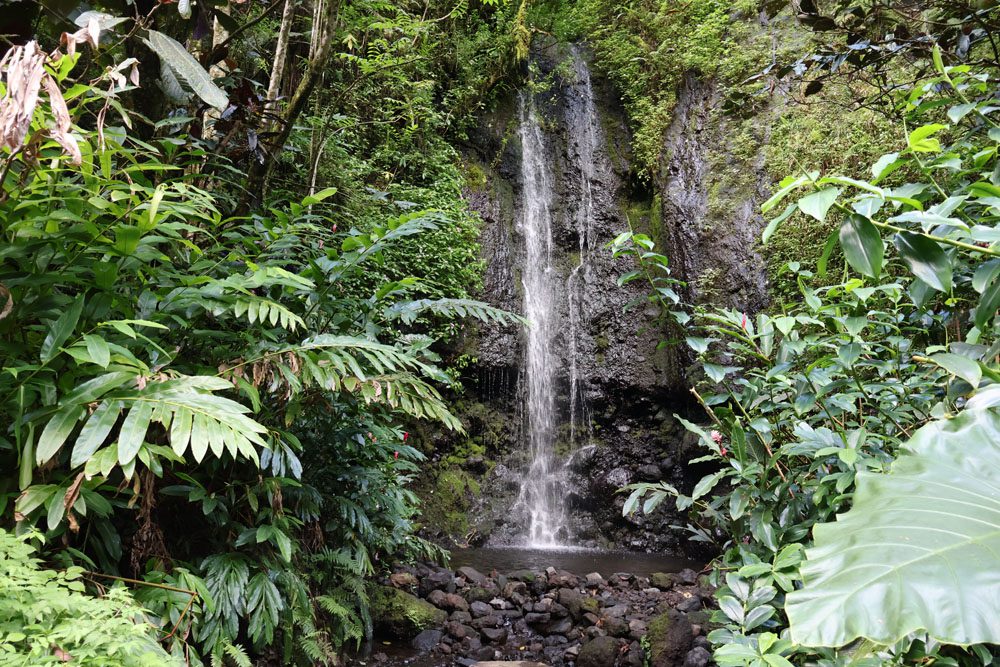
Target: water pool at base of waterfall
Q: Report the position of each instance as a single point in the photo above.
(576, 560)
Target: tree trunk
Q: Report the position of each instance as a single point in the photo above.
(280, 56)
(319, 49)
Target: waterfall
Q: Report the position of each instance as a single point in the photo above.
(556, 306)
(541, 492)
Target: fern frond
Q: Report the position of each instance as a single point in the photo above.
(408, 311)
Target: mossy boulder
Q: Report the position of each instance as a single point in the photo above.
(402, 615)
(662, 580)
(599, 652)
(669, 638)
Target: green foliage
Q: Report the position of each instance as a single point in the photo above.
(173, 364)
(48, 618)
(916, 552)
(806, 401)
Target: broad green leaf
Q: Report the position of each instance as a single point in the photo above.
(94, 432)
(56, 431)
(186, 68)
(989, 303)
(133, 430)
(818, 203)
(773, 225)
(786, 186)
(885, 165)
(963, 367)
(921, 140)
(706, 484)
(925, 259)
(319, 196)
(98, 349)
(61, 329)
(918, 550)
(862, 245)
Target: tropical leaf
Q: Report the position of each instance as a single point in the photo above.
(918, 552)
(409, 311)
(862, 245)
(173, 54)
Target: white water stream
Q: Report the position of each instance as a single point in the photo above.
(553, 344)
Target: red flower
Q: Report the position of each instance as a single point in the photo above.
(723, 451)
(396, 455)
(406, 436)
(716, 437)
(333, 228)
(743, 324)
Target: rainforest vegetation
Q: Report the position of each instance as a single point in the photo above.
(242, 276)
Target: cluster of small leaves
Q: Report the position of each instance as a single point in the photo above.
(48, 618)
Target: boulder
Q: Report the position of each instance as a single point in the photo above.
(427, 640)
(669, 638)
(559, 626)
(472, 575)
(615, 626)
(438, 580)
(403, 580)
(662, 580)
(461, 631)
(697, 657)
(479, 608)
(598, 652)
(594, 580)
(443, 600)
(498, 635)
(688, 576)
(402, 615)
(577, 603)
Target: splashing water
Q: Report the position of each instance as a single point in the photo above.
(544, 490)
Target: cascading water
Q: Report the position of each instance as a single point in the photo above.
(553, 344)
(541, 491)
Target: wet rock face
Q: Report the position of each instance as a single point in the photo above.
(710, 203)
(559, 618)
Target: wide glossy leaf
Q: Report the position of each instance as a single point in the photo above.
(862, 245)
(919, 549)
(187, 68)
(989, 303)
(818, 203)
(61, 329)
(94, 432)
(56, 432)
(925, 259)
(133, 431)
(963, 367)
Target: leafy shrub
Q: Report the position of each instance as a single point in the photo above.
(47, 617)
(805, 401)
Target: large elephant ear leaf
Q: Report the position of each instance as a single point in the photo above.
(173, 54)
(919, 551)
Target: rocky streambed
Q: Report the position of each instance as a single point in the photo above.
(548, 616)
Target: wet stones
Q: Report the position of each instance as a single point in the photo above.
(472, 576)
(555, 617)
(599, 652)
(447, 601)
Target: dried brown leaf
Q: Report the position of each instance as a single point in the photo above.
(24, 67)
(61, 130)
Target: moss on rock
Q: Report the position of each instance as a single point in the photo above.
(402, 615)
